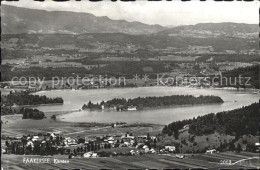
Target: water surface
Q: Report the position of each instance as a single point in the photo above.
(74, 99)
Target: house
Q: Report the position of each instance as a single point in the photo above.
(132, 141)
(180, 156)
(152, 150)
(131, 108)
(146, 150)
(162, 150)
(30, 143)
(94, 155)
(132, 152)
(111, 142)
(127, 143)
(139, 145)
(87, 155)
(70, 141)
(257, 145)
(3, 150)
(15, 108)
(145, 146)
(35, 138)
(211, 151)
(186, 126)
(129, 137)
(142, 137)
(153, 137)
(170, 148)
(53, 136)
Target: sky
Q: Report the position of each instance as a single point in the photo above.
(165, 13)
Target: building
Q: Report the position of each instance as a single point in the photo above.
(211, 151)
(170, 148)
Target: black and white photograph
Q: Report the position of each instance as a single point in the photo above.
(130, 85)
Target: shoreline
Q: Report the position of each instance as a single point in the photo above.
(214, 88)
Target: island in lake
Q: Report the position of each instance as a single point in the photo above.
(122, 104)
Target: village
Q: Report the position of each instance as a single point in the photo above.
(87, 147)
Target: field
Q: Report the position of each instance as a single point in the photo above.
(14, 125)
(143, 161)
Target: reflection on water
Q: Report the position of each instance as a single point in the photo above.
(75, 99)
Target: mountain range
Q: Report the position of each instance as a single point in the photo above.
(214, 28)
(23, 20)
(16, 20)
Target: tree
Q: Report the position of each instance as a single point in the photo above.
(239, 148)
(154, 142)
(105, 146)
(109, 146)
(176, 134)
(53, 117)
(148, 136)
(232, 146)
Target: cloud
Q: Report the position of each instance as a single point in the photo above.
(163, 12)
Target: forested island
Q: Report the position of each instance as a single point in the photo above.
(24, 98)
(152, 102)
(29, 113)
(238, 122)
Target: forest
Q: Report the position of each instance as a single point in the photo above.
(238, 122)
(154, 102)
(251, 72)
(24, 98)
(27, 113)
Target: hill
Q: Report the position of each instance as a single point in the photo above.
(252, 72)
(203, 30)
(23, 20)
(242, 121)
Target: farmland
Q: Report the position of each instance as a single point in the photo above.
(211, 161)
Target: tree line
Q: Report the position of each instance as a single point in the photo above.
(24, 98)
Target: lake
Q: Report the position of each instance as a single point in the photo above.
(74, 99)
